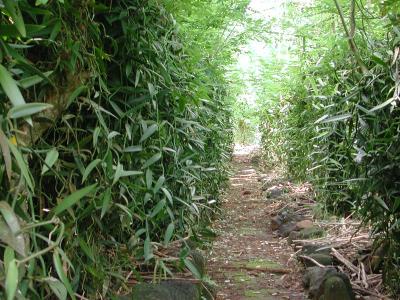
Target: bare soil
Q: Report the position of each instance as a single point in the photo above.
(247, 260)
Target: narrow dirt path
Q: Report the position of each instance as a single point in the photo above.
(247, 261)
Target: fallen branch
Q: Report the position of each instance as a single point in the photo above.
(364, 276)
(312, 260)
(344, 261)
(366, 292)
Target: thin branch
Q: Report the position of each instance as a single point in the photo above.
(352, 44)
(352, 19)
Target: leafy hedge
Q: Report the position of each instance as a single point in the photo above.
(114, 142)
(341, 117)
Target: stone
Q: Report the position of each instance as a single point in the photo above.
(335, 287)
(166, 290)
(285, 229)
(304, 224)
(274, 192)
(310, 233)
(276, 222)
(305, 234)
(313, 279)
(327, 283)
(282, 218)
(294, 235)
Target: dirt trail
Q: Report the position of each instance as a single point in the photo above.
(247, 260)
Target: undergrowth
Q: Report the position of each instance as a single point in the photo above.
(337, 122)
(115, 132)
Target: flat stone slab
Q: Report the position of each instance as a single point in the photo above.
(166, 290)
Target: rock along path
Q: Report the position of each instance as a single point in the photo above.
(247, 261)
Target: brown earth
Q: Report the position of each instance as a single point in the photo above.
(247, 260)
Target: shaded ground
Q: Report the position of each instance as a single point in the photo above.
(247, 260)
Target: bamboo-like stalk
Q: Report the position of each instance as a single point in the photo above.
(350, 34)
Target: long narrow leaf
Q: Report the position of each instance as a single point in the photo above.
(60, 272)
(73, 199)
(11, 280)
(15, 13)
(22, 165)
(50, 160)
(11, 89)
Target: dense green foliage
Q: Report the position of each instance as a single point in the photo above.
(114, 131)
(337, 123)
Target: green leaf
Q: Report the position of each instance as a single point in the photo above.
(137, 77)
(168, 233)
(118, 173)
(10, 87)
(15, 13)
(152, 89)
(57, 287)
(152, 160)
(96, 134)
(75, 94)
(130, 173)
(28, 109)
(133, 149)
(112, 134)
(60, 272)
(149, 179)
(33, 80)
(158, 184)
(41, 2)
(335, 118)
(168, 195)
(56, 30)
(86, 249)
(192, 268)
(381, 202)
(12, 31)
(148, 132)
(376, 57)
(73, 199)
(160, 205)
(12, 235)
(22, 165)
(50, 160)
(105, 202)
(11, 279)
(9, 255)
(90, 168)
(5, 149)
(382, 105)
(148, 251)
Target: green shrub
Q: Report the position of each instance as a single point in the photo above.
(341, 124)
(128, 149)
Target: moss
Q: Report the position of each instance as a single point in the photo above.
(239, 277)
(262, 264)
